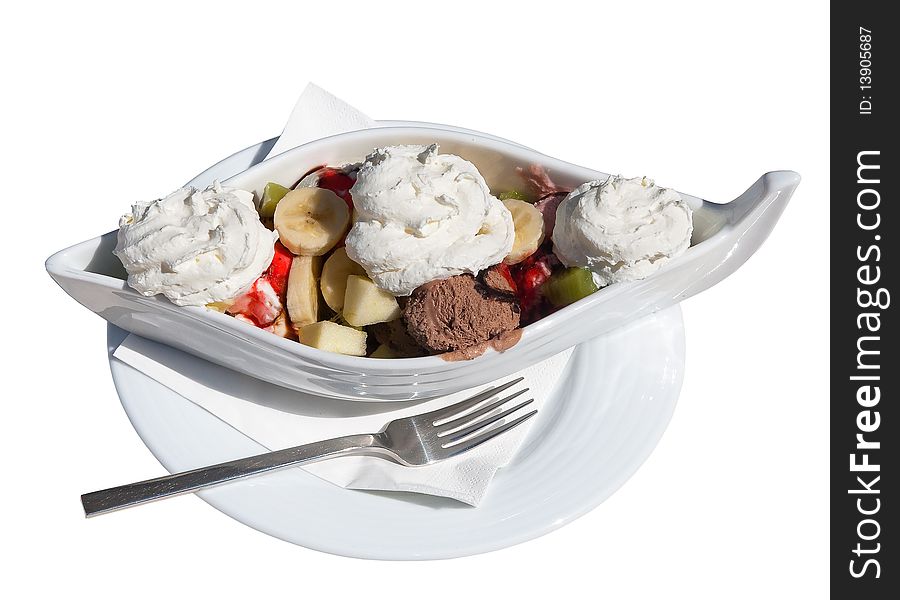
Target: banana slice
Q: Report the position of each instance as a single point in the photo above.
(310, 221)
(529, 225)
(303, 290)
(334, 277)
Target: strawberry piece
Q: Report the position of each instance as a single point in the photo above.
(531, 281)
(338, 182)
(535, 276)
(529, 275)
(279, 268)
(260, 304)
(264, 301)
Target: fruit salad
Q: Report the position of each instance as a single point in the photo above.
(408, 253)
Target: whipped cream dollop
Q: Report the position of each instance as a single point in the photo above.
(422, 216)
(621, 229)
(194, 246)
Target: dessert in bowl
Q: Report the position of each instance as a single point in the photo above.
(558, 313)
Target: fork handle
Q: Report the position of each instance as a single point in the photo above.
(133, 494)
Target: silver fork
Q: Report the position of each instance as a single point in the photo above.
(411, 441)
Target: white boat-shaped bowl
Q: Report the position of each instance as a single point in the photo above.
(725, 235)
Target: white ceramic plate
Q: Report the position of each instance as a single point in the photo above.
(605, 417)
(608, 412)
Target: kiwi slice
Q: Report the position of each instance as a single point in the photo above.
(514, 195)
(272, 195)
(569, 285)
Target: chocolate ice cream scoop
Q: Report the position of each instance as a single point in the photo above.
(457, 313)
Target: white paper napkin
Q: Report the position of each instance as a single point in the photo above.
(316, 115)
(280, 418)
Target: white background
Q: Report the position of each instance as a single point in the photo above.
(103, 105)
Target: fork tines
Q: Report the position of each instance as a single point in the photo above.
(461, 428)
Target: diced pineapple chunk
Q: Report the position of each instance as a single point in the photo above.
(367, 304)
(332, 337)
(334, 278)
(383, 351)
